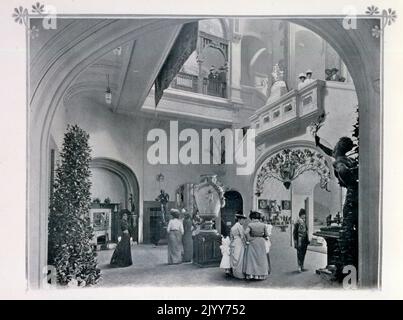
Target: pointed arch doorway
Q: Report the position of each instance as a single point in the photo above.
(128, 198)
(233, 205)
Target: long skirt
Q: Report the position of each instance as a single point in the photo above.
(175, 247)
(237, 258)
(187, 246)
(256, 265)
(122, 256)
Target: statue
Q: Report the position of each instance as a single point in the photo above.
(346, 172)
(209, 198)
(279, 87)
(163, 198)
(132, 218)
(132, 206)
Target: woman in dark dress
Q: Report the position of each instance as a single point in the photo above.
(122, 256)
(187, 238)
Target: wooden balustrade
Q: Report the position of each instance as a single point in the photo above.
(189, 82)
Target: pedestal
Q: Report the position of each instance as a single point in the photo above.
(206, 248)
(332, 236)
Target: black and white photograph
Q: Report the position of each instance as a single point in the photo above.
(229, 149)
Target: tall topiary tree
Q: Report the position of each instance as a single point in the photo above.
(70, 232)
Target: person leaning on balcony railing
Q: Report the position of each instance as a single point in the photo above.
(222, 79)
(308, 79)
(212, 79)
(302, 78)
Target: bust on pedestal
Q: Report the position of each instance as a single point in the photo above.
(209, 197)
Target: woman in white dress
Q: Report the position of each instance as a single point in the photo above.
(226, 255)
(175, 233)
(237, 236)
(269, 228)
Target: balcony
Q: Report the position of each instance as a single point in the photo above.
(297, 108)
(186, 104)
(192, 83)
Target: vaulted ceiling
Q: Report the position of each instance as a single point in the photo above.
(131, 66)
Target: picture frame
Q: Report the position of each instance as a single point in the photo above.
(286, 204)
(262, 204)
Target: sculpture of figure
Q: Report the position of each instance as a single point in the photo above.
(346, 172)
(132, 206)
(163, 198)
(279, 87)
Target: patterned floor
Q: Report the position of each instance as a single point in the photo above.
(150, 268)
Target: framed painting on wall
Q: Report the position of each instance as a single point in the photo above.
(286, 204)
(262, 204)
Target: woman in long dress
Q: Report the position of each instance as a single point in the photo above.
(122, 256)
(256, 264)
(269, 228)
(187, 238)
(175, 234)
(237, 236)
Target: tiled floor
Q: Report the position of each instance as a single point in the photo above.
(150, 268)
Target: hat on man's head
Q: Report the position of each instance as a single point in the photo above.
(308, 71)
(174, 213)
(301, 75)
(302, 212)
(240, 216)
(254, 215)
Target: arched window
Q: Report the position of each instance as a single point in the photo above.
(206, 70)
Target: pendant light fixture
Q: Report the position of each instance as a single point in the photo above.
(108, 92)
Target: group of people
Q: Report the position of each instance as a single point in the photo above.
(245, 255)
(217, 81)
(305, 78)
(180, 241)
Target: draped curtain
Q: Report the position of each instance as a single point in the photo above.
(183, 47)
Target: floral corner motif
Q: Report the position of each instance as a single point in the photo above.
(38, 8)
(376, 31)
(388, 17)
(21, 15)
(372, 10)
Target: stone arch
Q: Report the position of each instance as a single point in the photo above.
(127, 176)
(233, 202)
(357, 48)
(224, 27)
(266, 156)
(248, 41)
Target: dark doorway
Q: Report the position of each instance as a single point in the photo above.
(233, 205)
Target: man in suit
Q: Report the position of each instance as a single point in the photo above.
(222, 79)
(301, 240)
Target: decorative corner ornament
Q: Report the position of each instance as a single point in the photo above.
(21, 15)
(387, 18)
